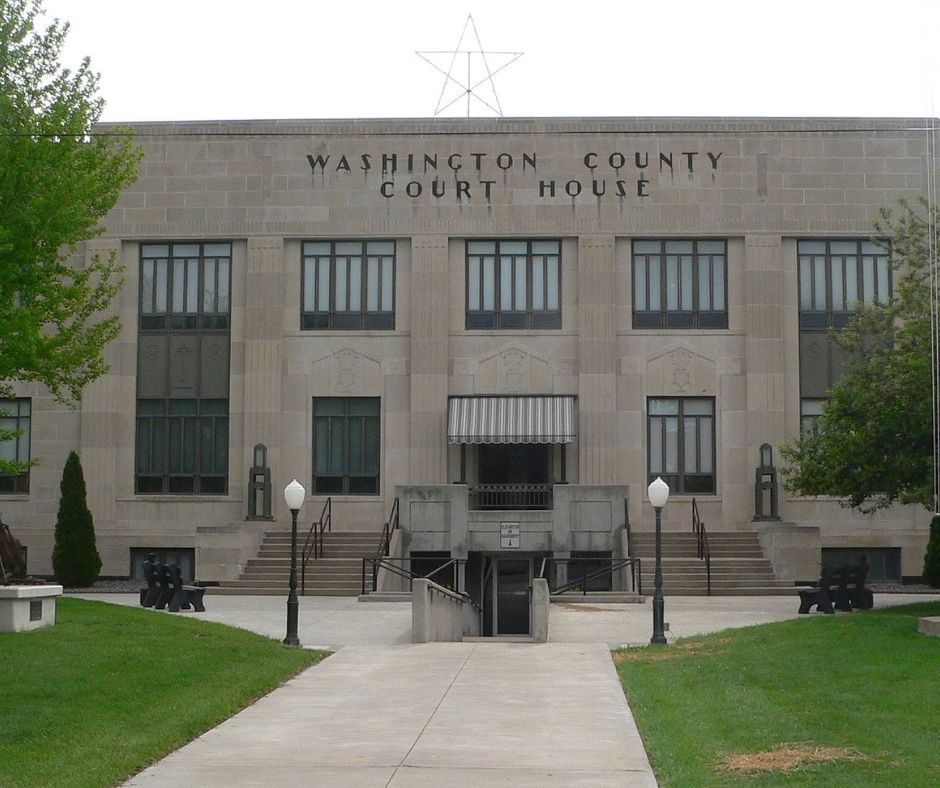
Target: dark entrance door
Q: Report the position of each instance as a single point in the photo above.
(512, 596)
(514, 463)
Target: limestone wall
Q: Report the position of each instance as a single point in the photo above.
(595, 185)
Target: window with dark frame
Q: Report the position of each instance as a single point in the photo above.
(15, 415)
(833, 278)
(836, 276)
(185, 286)
(346, 445)
(680, 284)
(348, 285)
(182, 443)
(182, 446)
(681, 443)
(811, 410)
(513, 284)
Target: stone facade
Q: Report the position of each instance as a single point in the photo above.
(760, 185)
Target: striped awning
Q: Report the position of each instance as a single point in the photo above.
(541, 419)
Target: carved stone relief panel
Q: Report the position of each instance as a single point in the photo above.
(513, 370)
(215, 366)
(350, 373)
(680, 371)
(184, 355)
(814, 363)
(152, 351)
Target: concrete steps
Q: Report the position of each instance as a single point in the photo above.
(738, 566)
(337, 573)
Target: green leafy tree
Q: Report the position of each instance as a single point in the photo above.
(875, 443)
(75, 558)
(57, 180)
(932, 556)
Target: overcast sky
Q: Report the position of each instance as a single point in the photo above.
(235, 59)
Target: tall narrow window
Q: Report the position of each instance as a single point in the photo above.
(346, 445)
(680, 284)
(348, 285)
(513, 284)
(14, 443)
(835, 276)
(183, 368)
(682, 443)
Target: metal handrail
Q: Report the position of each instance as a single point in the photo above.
(701, 538)
(626, 525)
(463, 596)
(636, 574)
(314, 541)
(391, 524)
(391, 565)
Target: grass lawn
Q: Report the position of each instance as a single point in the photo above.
(110, 689)
(861, 688)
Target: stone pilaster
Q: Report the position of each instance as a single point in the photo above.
(764, 348)
(600, 460)
(260, 338)
(98, 439)
(429, 359)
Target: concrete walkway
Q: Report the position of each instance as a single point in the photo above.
(455, 714)
(383, 712)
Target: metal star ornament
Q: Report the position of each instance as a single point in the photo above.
(482, 66)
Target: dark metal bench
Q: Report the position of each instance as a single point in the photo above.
(166, 589)
(860, 597)
(833, 592)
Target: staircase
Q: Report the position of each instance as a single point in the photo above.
(337, 573)
(737, 562)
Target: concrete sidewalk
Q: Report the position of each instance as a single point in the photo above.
(455, 714)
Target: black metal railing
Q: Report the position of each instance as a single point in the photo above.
(391, 525)
(445, 575)
(626, 526)
(313, 544)
(585, 576)
(701, 538)
(511, 496)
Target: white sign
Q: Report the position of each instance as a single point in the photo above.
(509, 536)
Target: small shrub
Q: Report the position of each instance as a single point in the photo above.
(932, 557)
(75, 558)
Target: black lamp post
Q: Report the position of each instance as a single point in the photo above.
(659, 494)
(294, 495)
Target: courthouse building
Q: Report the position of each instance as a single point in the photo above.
(512, 322)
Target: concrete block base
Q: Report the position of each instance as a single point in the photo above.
(793, 550)
(24, 608)
(929, 626)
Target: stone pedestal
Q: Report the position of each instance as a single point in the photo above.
(929, 626)
(23, 608)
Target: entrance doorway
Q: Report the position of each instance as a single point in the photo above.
(514, 463)
(506, 595)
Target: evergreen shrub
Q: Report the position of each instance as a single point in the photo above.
(75, 558)
(932, 557)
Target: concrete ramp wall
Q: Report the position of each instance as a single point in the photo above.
(440, 615)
